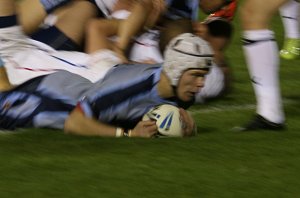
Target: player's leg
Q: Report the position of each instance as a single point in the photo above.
(72, 22)
(32, 12)
(10, 33)
(64, 28)
(7, 8)
(290, 17)
(143, 13)
(28, 19)
(98, 33)
(263, 62)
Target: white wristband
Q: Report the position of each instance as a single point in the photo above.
(119, 132)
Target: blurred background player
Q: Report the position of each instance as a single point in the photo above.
(262, 59)
(27, 58)
(59, 24)
(145, 47)
(147, 14)
(290, 18)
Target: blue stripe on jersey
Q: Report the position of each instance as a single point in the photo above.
(118, 96)
(22, 107)
(8, 21)
(24, 110)
(68, 62)
(17, 108)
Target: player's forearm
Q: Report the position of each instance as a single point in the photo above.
(209, 6)
(78, 124)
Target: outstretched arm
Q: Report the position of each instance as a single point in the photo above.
(78, 124)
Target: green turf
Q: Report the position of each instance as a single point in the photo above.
(216, 163)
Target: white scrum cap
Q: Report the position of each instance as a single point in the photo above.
(186, 51)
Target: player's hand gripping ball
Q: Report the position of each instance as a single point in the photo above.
(167, 119)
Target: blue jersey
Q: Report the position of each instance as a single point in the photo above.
(25, 107)
(124, 95)
(121, 98)
(182, 9)
(44, 101)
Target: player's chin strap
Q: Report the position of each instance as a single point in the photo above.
(179, 102)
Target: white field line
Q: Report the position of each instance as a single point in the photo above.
(224, 108)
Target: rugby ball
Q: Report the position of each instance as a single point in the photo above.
(167, 119)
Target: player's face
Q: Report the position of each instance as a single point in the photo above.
(190, 84)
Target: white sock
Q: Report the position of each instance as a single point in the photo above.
(261, 54)
(290, 18)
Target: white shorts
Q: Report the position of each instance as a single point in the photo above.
(146, 48)
(25, 58)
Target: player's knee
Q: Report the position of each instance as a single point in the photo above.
(245, 13)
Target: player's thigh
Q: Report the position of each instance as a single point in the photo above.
(256, 14)
(72, 19)
(31, 14)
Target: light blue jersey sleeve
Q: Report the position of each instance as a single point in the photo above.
(124, 95)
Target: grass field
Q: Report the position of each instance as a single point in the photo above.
(216, 163)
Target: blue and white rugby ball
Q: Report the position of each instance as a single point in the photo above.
(167, 119)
